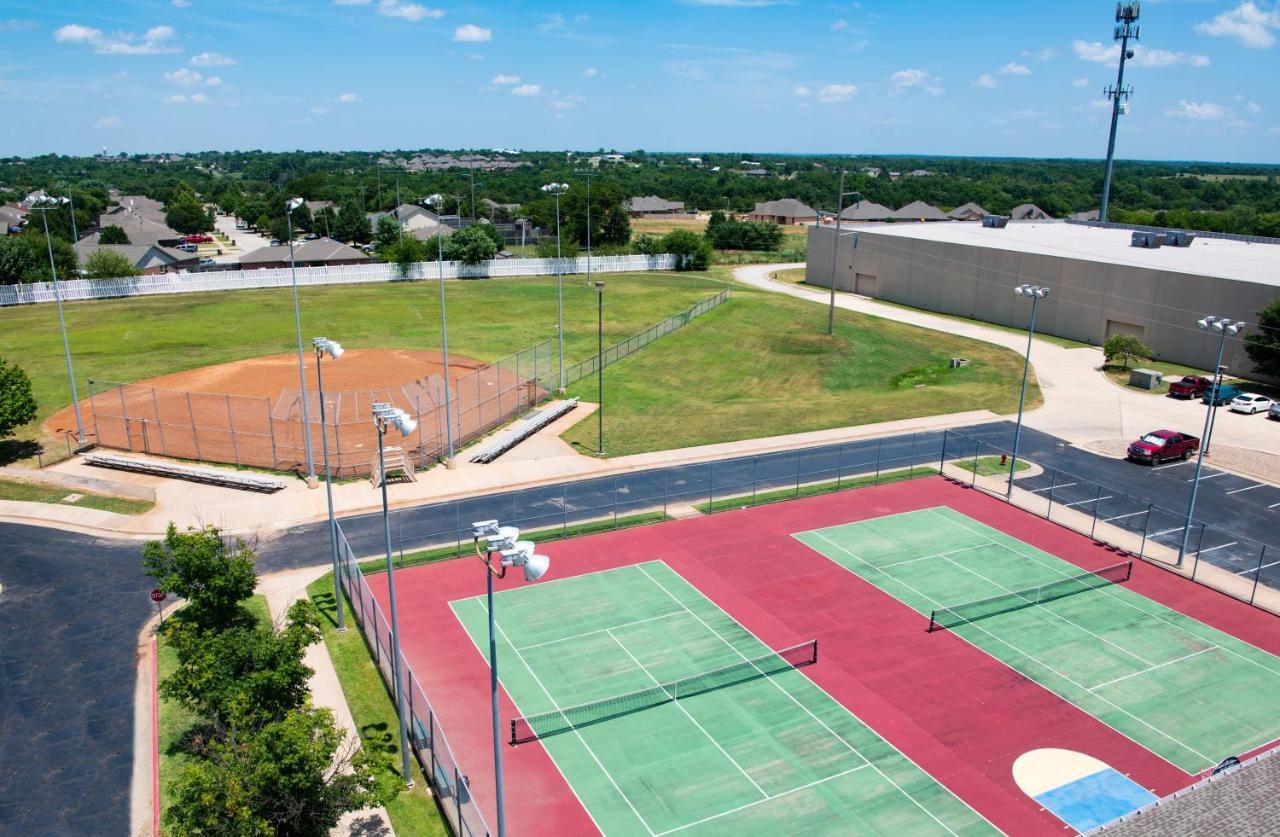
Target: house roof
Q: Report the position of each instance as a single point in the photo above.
(492, 204)
(429, 232)
(967, 210)
(786, 207)
(921, 211)
(138, 253)
(138, 205)
(1090, 215)
(132, 223)
(652, 203)
(317, 250)
(867, 211)
(1028, 212)
(12, 216)
(137, 235)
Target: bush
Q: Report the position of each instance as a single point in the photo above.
(1124, 347)
(646, 245)
(109, 264)
(744, 235)
(495, 236)
(112, 234)
(470, 245)
(17, 403)
(547, 248)
(692, 251)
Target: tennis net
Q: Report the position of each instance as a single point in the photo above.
(571, 718)
(948, 617)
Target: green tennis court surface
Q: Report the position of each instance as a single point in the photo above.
(771, 754)
(1182, 689)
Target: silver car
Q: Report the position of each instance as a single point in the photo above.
(1250, 402)
(1274, 412)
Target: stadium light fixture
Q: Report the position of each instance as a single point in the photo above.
(386, 416)
(504, 542)
(312, 482)
(44, 203)
(1224, 328)
(1036, 293)
(835, 250)
(324, 346)
(559, 189)
(599, 368)
(436, 202)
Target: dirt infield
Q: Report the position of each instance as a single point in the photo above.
(249, 412)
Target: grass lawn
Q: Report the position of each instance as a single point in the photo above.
(762, 365)
(1064, 342)
(813, 489)
(792, 275)
(125, 340)
(987, 466)
(414, 810)
(34, 492)
(173, 719)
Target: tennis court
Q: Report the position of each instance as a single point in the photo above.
(1184, 690)
(717, 732)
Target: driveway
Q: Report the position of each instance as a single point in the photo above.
(245, 240)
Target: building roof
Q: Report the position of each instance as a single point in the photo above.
(137, 235)
(920, 211)
(316, 250)
(968, 210)
(492, 204)
(138, 253)
(652, 203)
(1240, 801)
(786, 207)
(1090, 215)
(867, 211)
(1028, 212)
(1216, 257)
(131, 223)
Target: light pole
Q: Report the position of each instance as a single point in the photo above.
(384, 416)
(437, 202)
(333, 349)
(1225, 328)
(1036, 293)
(1126, 17)
(513, 553)
(600, 367)
(559, 189)
(588, 175)
(44, 204)
(312, 482)
(835, 252)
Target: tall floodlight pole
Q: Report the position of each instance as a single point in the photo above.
(511, 553)
(396, 212)
(1225, 328)
(472, 168)
(384, 416)
(1125, 31)
(437, 201)
(293, 204)
(559, 189)
(600, 367)
(588, 175)
(835, 252)
(1036, 293)
(75, 234)
(324, 346)
(44, 203)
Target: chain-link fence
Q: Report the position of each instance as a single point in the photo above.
(1242, 567)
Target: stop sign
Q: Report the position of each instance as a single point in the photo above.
(157, 595)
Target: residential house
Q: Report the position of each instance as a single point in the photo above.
(147, 232)
(920, 173)
(652, 206)
(499, 210)
(867, 211)
(784, 211)
(12, 217)
(316, 253)
(151, 259)
(756, 173)
(920, 211)
(1029, 212)
(1091, 215)
(968, 212)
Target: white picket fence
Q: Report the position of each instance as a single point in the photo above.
(236, 280)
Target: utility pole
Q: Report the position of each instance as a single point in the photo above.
(472, 167)
(1125, 31)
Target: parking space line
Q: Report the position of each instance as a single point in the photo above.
(1059, 485)
(1090, 500)
(1210, 476)
(1171, 465)
(1165, 532)
(1273, 505)
(1246, 488)
(1219, 546)
(1123, 516)
(1257, 569)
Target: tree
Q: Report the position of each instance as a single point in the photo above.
(1125, 347)
(693, 251)
(187, 215)
(408, 252)
(386, 235)
(112, 234)
(17, 403)
(1263, 340)
(617, 226)
(109, 264)
(547, 248)
(647, 245)
(351, 224)
(214, 573)
(25, 258)
(494, 235)
(469, 246)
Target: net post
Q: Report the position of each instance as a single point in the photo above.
(1128, 570)
(513, 732)
(815, 650)
(933, 621)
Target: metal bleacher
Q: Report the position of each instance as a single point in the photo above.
(521, 430)
(245, 481)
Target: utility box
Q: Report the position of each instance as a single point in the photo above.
(1145, 378)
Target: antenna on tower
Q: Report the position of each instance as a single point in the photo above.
(1126, 30)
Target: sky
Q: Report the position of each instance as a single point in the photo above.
(902, 77)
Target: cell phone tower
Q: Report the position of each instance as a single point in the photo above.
(1126, 30)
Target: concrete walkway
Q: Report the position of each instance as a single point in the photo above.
(1080, 404)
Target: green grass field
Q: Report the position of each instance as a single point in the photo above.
(1185, 691)
(988, 466)
(31, 492)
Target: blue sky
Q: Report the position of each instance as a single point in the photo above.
(912, 76)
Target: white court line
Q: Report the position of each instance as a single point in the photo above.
(1209, 476)
(1059, 485)
(1219, 546)
(806, 709)
(937, 555)
(1257, 569)
(1090, 500)
(600, 630)
(1123, 516)
(1153, 668)
(762, 801)
(1246, 488)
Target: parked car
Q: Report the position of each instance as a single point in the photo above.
(207, 262)
(311, 237)
(275, 242)
(1274, 412)
(1191, 386)
(187, 247)
(1161, 445)
(1250, 403)
(241, 225)
(1225, 395)
(199, 238)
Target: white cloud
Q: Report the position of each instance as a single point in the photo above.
(1197, 110)
(837, 25)
(1015, 69)
(348, 98)
(1100, 53)
(833, 93)
(212, 59)
(904, 81)
(213, 81)
(566, 102)
(735, 4)
(319, 110)
(150, 42)
(15, 24)
(590, 72)
(181, 4)
(184, 99)
(502, 78)
(986, 80)
(1080, 82)
(526, 90)
(108, 122)
(1046, 54)
(803, 91)
(408, 11)
(352, 2)
(184, 77)
(1253, 107)
(1247, 23)
(470, 33)
(553, 23)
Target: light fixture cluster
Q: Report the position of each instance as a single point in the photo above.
(556, 188)
(1221, 325)
(504, 540)
(1032, 290)
(385, 415)
(325, 346)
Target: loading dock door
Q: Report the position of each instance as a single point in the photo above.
(865, 284)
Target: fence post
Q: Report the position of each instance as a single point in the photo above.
(124, 412)
(840, 467)
(1146, 525)
(664, 491)
(977, 446)
(417, 406)
(457, 524)
(1257, 574)
(1053, 482)
(337, 447)
(942, 457)
(879, 446)
(1097, 500)
(754, 460)
(93, 410)
(457, 795)
(564, 508)
(615, 502)
(231, 422)
(797, 494)
(431, 745)
(911, 463)
(195, 431)
(711, 485)
(155, 405)
(271, 431)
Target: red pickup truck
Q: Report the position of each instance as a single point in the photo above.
(1191, 386)
(1161, 445)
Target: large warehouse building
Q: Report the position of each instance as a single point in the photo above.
(1101, 285)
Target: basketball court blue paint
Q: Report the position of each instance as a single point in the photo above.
(1078, 789)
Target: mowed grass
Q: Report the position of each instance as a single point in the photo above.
(31, 492)
(763, 365)
(988, 466)
(126, 340)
